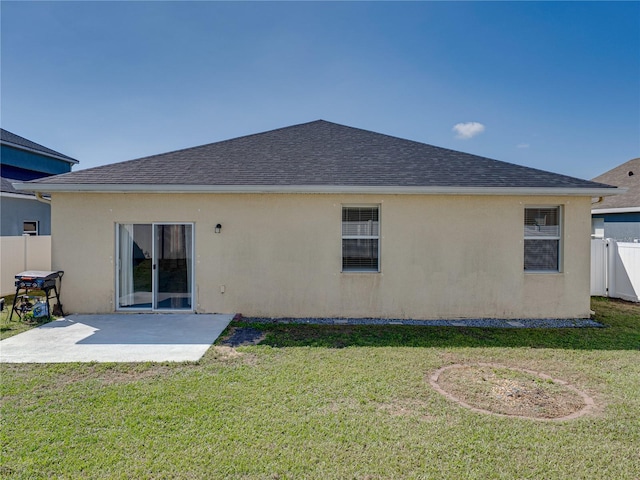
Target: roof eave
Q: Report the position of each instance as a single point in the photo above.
(341, 189)
(599, 211)
(21, 196)
(39, 152)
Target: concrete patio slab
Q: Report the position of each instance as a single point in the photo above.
(116, 338)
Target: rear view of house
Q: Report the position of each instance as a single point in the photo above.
(323, 220)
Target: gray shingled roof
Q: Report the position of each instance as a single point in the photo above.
(17, 141)
(318, 153)
(7, 187)
(627, 176)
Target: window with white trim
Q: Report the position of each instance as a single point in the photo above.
(360, 239)
(542, 239)
(30, 227)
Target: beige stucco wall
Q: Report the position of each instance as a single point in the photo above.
(279, 255)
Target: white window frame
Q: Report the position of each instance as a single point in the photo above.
(31, 233)
(360, 237)
(559, 237)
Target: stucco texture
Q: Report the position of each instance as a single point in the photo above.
(279, 255)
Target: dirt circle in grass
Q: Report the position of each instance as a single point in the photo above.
(512, 392)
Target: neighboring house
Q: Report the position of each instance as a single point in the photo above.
(618, 217)
(21, 159)
(323, 220)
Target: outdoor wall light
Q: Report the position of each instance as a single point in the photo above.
(218, 228)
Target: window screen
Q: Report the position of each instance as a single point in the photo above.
(30, 227)
(360, 239)
(542, 239)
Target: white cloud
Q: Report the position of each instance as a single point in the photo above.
(523, 145)
(468, 130)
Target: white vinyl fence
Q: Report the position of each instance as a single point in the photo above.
(615, 269)
(18, 254)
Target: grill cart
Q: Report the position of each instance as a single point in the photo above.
(36, 280)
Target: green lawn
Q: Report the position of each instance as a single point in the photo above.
(329, 402)
(16, 325)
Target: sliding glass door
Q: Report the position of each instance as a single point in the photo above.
(155, 266)
(135, 266)
(174, 256)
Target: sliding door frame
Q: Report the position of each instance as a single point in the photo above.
(154, 275)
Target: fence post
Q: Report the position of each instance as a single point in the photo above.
(612, 248)
(25, 249)
(599, 267)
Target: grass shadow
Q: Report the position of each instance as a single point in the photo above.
(11, 325)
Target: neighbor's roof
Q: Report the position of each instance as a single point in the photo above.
(7, 187)
(318, 157)
(16, 141)
(627, 176)
(7, 190)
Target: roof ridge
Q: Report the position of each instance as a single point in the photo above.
(467, 153)
(249, 135)
(316, 153)
(179, 150)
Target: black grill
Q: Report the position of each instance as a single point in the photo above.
(37, 280)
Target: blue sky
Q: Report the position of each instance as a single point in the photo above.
(551, 85)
